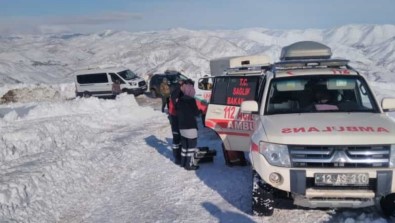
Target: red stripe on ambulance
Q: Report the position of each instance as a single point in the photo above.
(233, 133)
(254, 147)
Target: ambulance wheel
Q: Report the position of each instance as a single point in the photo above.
(86, 94)
(262, 196)
(387, 204)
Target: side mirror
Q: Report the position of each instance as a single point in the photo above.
(249, 107)
(205, 83)
(388, 104)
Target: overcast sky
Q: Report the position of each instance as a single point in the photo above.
(85, 16)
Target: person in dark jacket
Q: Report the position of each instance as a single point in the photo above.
(186, 112)
(175, 94)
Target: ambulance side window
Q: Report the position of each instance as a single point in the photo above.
(234, 90)
(218, 96)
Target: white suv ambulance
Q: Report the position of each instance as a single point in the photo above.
(313, 128)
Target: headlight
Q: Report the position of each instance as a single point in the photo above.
(392, 156)
(133, 83)
(275, 154)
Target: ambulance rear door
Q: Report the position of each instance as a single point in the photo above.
(223, 114)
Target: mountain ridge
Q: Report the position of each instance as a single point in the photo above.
(54, 58)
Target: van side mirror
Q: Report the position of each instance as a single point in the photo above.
(249, 107)
(388, 104)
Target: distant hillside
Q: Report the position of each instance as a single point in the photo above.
(53, 59)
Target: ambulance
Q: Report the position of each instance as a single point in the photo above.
(227, 66)
(218, 67)
(314, 131)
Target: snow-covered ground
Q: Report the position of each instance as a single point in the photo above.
(96, 160)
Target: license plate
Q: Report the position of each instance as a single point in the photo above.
(341, 179)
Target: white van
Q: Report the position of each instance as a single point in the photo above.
(314, 130)
(98, 82)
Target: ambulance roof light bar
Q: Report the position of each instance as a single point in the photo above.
(249, 65)
(247, 70)
(305, 50)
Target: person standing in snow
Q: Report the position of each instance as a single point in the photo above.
(165, 92)
(175, 94)
(187, 111)
(116, 87)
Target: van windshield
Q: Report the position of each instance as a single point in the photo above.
(319, 94)
(175, 78)
(127, 74)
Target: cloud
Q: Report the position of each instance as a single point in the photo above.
(109, 17)
(53, 29)
(59, 24)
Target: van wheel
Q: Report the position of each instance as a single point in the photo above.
(86, 94)
(153, 93)
(262, 196)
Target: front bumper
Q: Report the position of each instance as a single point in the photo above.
(137, 91)
(300, 183)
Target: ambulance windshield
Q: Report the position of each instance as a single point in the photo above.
(312, 93)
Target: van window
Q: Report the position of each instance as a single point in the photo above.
(115, 77)
(159, 79)
(235, 90)
(92, 78)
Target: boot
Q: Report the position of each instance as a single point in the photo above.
(177, 154)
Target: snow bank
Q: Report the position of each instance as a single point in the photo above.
(36, 92)
(50, 150)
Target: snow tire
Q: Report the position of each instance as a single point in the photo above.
(153, 93)
(387, 204)
(86, 94)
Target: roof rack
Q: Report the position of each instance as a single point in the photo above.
(318, 63)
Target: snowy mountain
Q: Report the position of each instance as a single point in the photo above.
(54, 58)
